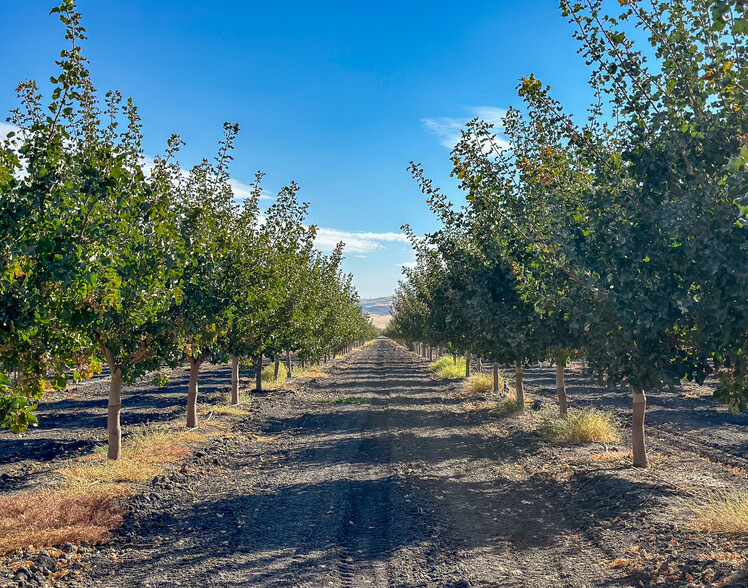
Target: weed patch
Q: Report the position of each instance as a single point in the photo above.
(268, 377)
(510, 406)
(481, 383)
(446, 368)
(310, 372)
(722, 512)
(584, 426)
(348, 400)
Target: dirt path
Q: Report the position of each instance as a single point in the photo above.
(381, 475)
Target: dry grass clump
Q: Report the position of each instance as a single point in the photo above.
(268, 377)
(310, 372)
(370, 342)
(45, 518)
(85, 477)
(239, 409)
(480, 383)
(509, 406)
(144, 452)
(88, 505)
(445, 367)
(723, 512)
(583, 426)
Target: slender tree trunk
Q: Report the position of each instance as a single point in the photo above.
(454, 359)
(234, 378)
(638, 444)
(495, 377)
(479, 364)
(303, 363)
(561, 384)
(114, 427)
(114, 408)
(192, 393)
(467, 363)
(258, 374)
(325, 360)
(431, 353)
(438, 352)
(288, 363)
(276, 368)
(519, 389)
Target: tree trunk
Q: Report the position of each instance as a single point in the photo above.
(276, 368)
(638, 445)
(113, 414)
(467, 364)
(454, 359)
(114, 408)
(303, 363)
(561, 385)
(519, 389)
(288, 363)
(479, 364)
(438, 352)
(258, 374)
(234, 378)
(496, 377)
(431, 353)
(192, 393)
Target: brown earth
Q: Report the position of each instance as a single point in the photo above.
(383, 475)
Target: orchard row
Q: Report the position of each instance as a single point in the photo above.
(107, 259)
(622, 239)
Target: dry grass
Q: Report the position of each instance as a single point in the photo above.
(268, 377)
(310, 372)
(583, 426)
(611, 456)
(85, 477)
(721, 512)
(370, 342)
(509, 406)
(231, 409)
(88, 505)
(144, 452)
(44, 518)
(481, 383)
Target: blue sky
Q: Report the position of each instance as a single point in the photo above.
(338, 96)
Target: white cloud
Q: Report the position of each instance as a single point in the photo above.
(448, 130)
(6, 128)
(355, 242)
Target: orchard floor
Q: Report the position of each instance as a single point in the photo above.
(383, 475)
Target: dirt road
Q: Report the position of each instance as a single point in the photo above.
(382, 475)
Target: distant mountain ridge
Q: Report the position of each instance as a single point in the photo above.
(379, 306)
(378, 309)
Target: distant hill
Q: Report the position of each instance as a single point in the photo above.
(378, 309)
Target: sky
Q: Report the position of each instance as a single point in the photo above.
(337, 96)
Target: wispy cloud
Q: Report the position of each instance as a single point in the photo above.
(6, 128)
(355, 242)
(448, 130)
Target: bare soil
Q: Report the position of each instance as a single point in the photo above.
(383, 475)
